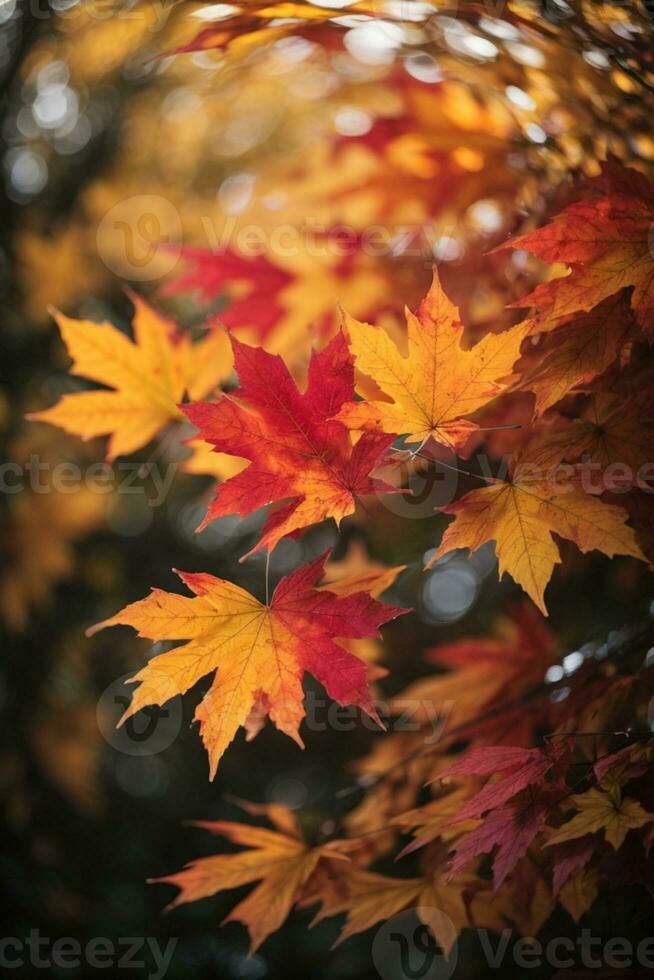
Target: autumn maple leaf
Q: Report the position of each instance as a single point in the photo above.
(439, 382)
(355, 573)
(149, 375)
(257, 653)
(433, 820)
(271, 297)
(520, 514)
(488, 672)
(279, 860)
(516, 767)
(240, 33)
(515, 804)
(214, 273)
(568, 857)
(606, 239)
(578, 351)
(298, 453)
(373, 897)
(602, 809)
(612, 437)
(508, 831)
(358, 572)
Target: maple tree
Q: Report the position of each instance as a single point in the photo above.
(317, 393)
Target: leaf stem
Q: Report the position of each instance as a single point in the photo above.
(448, 466)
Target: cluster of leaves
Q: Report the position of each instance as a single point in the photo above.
(558, 815)
(434, 147)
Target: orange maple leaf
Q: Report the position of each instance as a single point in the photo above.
(429, 391)
(487, 672)
(149, 375)
(373, 897)
(358, 572)
(279, 860)
(612, 438)
(606, 239)
(576, 352)
(257, 653)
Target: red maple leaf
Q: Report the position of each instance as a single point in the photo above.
(517, 768)
(569, 856)
(510, 828)
(299, 454)
(606, 239)
(212, 274)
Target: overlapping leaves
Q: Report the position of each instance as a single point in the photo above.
(309, 453)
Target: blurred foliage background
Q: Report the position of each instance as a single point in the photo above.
(445, 128)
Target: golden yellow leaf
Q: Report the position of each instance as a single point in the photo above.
(605, 810)
(149, 376)
(439, 382)
(373, 898)
(522, 513)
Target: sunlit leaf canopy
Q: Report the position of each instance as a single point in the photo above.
(314, 116)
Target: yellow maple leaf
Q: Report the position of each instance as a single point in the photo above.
(204, 461)
(439, 382)
(605, 810)
(520, 514)
(579, 892)
(149, 376)
(372, 897)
